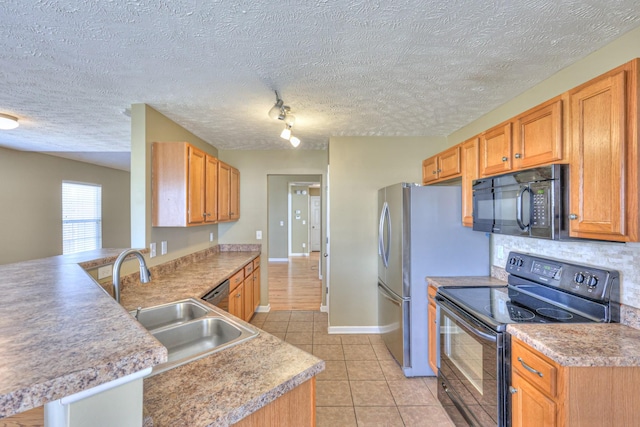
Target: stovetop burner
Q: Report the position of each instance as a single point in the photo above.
(554, 313)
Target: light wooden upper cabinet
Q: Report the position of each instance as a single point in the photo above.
(234, 195)
(228, 192)
(443, 166)
(538, 135)
(495, 150)
(470, 171)
(604, 156)
(185, 186)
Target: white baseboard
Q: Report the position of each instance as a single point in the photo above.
(324, 308)
(263, 308)
(299, 254)
(354, 330)
(278, 259)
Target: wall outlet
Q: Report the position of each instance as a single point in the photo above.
(105, 271)
(211, 237)
(152, 250)
(304, 222)
(163, 247)
(500, 252)
(281, 223)
(304, 245)
(259, 234)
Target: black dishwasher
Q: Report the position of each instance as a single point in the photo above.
(219, 296)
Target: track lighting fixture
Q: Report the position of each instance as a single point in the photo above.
(279, 111)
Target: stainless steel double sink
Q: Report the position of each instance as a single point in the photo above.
(190, 330)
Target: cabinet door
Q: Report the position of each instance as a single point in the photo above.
(449, 163)
(224, 185)
(196, 185)
(236, 306)
(538, 135)
(598, 136)
(211, 189)
(234, 195)
(433, 336)
(469, 155)
(530, 407)
(256, 288)
(429, 170)
(248, 297)
(495, 150)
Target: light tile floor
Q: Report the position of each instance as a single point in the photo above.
(362, 385)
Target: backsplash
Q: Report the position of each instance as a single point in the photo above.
(624, 257)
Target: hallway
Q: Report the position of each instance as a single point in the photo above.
(295, 285)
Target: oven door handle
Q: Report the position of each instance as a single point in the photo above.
(466, 324)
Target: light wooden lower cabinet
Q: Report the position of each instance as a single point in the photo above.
(433, 330)
(296, 408)
(244, 292)
(544, 393)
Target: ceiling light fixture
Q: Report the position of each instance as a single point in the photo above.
(279, 111)
(8, 122)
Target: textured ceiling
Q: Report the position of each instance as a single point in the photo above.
(71, 68)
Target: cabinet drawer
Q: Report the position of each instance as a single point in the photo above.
(236, 280)
(248, 269)
(531, 366)
(256, 263)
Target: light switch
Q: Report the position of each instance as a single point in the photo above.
(163, 247)
(258, 234)
(211, 237)
(152, 250)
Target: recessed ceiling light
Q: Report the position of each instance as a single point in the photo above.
(8, 122)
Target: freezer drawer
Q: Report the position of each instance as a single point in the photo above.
(394, 324)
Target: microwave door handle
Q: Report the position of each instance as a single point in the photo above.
(519, 210)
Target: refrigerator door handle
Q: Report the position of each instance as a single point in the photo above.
(386, 294)
(385, 227)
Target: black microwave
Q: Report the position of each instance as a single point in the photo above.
(527, 203)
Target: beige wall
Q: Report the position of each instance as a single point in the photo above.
(31, 214)
(359, 166)
(148, 126)
(255, 167)
(623, 257)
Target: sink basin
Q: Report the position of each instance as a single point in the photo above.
(191, 330)
(174, 313)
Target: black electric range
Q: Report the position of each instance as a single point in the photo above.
(474, 370)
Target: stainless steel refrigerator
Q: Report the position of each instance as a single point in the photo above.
(420, 235)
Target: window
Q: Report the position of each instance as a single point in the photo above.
(81, 217)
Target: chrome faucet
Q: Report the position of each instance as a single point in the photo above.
(145, 275)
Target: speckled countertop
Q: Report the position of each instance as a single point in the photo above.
(465, 281)
(586, 344)
(224, 387)
(60, 333)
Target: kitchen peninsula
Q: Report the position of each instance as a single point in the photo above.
(63, 334)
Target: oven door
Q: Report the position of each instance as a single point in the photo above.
(471, 384)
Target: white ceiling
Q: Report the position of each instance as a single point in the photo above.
(71, 68)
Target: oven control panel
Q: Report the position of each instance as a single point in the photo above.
(587, 281)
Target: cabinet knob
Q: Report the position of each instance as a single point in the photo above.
(518, 155)
(439, 170)
(573, 216)
(434, 172)
(513, 390)
(504, 159)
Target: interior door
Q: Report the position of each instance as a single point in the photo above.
(314, 222)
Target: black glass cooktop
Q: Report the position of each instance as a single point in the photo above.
(498, 306)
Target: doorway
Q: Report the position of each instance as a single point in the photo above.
(295, 242)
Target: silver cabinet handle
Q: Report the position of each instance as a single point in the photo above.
(504, 159)
(513, 390)
(518, 155)
(529, 368)
(573, 216)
